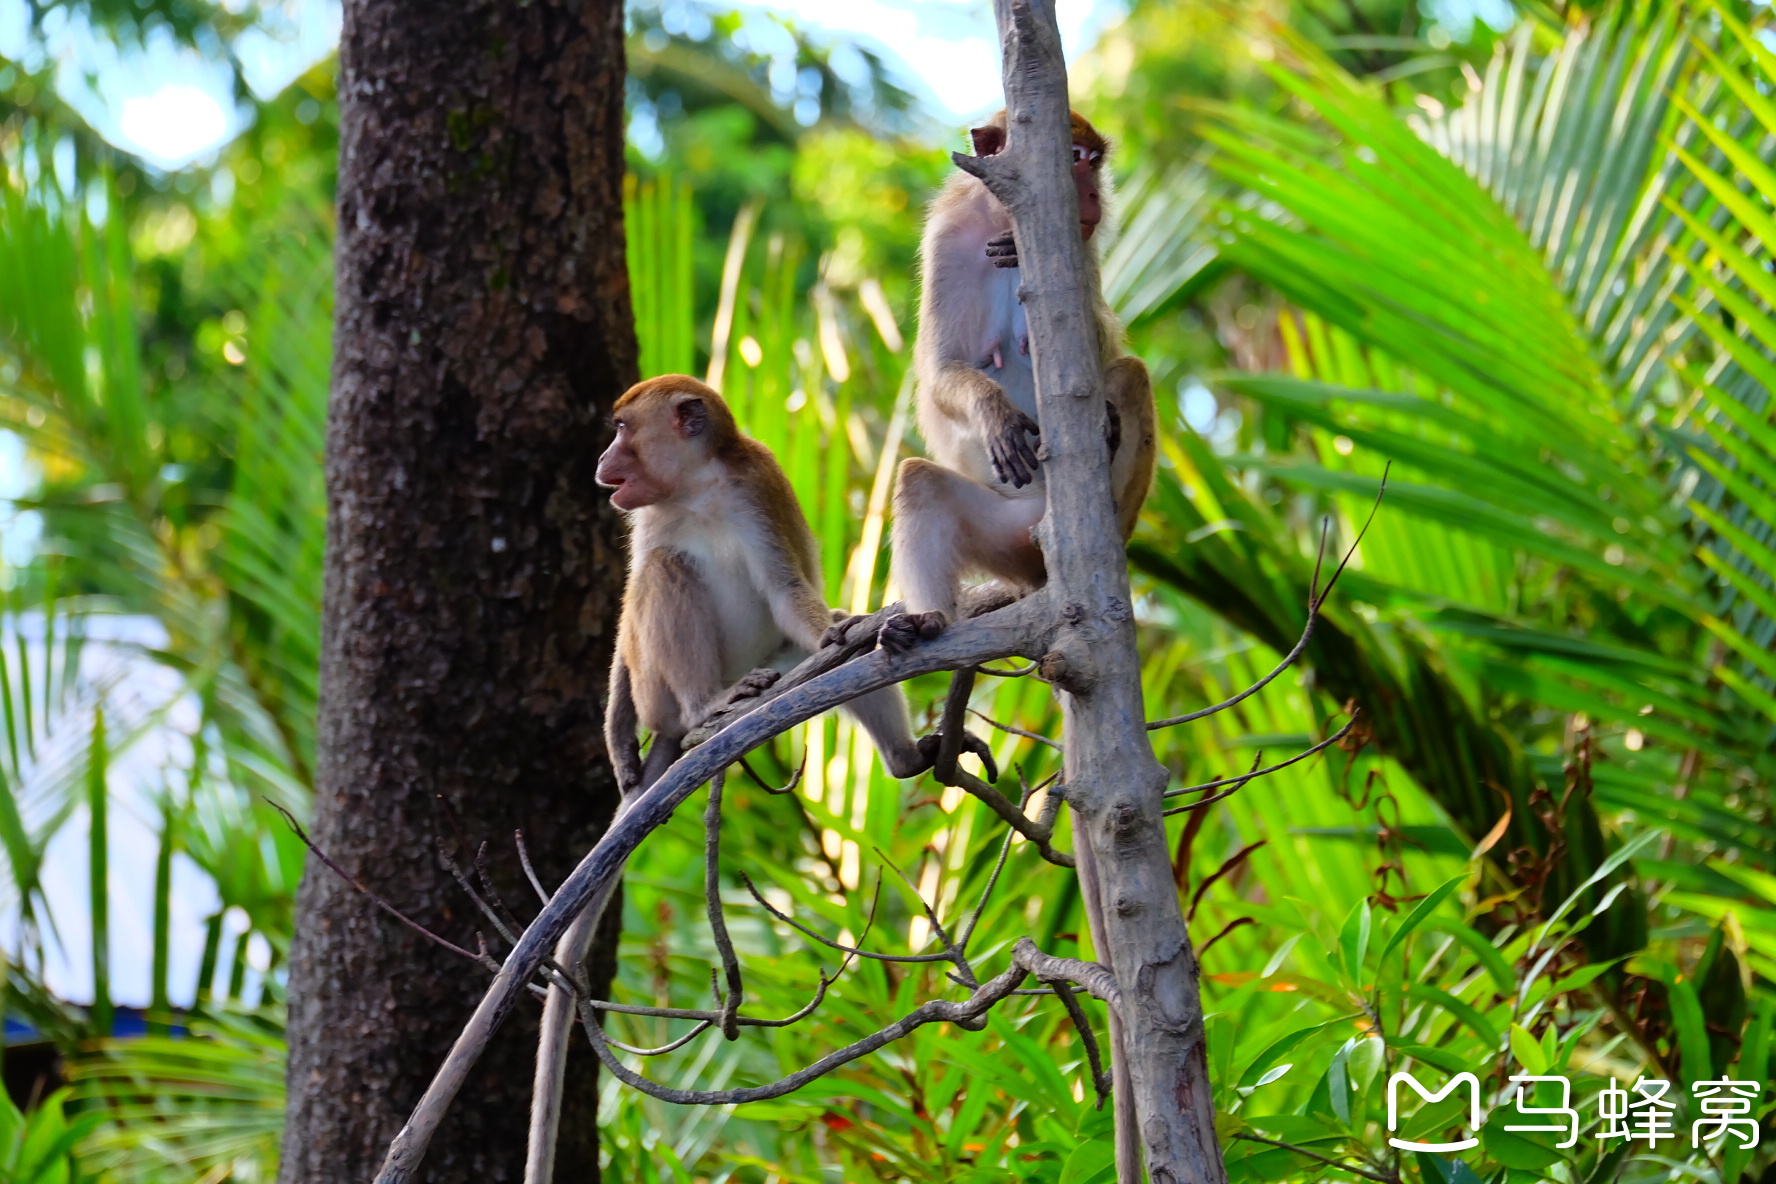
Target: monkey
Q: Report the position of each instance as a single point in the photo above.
(970, 508)
(724, 590)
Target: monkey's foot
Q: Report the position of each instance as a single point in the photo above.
(928, 746)
(839, 632)
(751, 686)
(901, 633)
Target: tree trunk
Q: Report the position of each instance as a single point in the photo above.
(474, 569)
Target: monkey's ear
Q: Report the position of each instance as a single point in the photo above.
(988, 141)
(690, 417)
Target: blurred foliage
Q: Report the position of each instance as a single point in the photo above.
(1524, 263)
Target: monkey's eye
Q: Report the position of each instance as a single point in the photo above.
(1096, 157)
(1079, 153)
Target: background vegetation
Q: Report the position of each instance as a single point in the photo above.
(1528, 266)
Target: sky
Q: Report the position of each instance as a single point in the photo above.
(172, 107)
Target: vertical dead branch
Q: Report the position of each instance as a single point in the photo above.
(1163, 1103)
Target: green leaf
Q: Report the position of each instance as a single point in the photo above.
(1282, 953)
(1353, 941)
(1441, 1058)
(1423, 909)
(1528, 1052)
(1091, 1163)
(1471, 1016)
(1515, 1150)
(1338, 1083)
(1486, 952)
(1439, 1169)
(1276, 1051)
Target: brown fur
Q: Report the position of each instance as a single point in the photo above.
(724, 578)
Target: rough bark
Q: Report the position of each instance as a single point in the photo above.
(1113, 781)
(473, 568)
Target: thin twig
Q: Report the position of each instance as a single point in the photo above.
(1316, 597)
(714, 1017)
(1018, 672)
(1038, 834)
(934, 1011)
(968, 926)
(1094, 1058)
(1026, 960)
(493, 894)
(827, 941)
(1036, 736)
(1238, 858)
(529, 872)
(1227, 929)
(966, 976)
(695, 1032)
(1340, 734)
(718, 923)
(794, 780)
(375, 899)
(462, 881)
(937, 926)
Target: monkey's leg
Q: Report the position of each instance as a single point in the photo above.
(946, 526)
(1128, 388)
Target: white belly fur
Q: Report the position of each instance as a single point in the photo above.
(1006, 360)
(717, 546)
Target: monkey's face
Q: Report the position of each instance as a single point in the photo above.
(622, 470)
(658, 446)
(1086, 163)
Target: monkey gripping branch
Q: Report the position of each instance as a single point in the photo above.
(1079, 629)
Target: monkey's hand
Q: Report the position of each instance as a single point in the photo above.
(902, 632)
(1003, 251)
(1007, 431)
(928, 746)
(1113, 427)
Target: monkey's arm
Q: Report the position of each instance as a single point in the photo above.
(797, 606)
(968, 396)
(620, 728)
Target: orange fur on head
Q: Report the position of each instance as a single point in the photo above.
(665, 427)
(989, 138)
